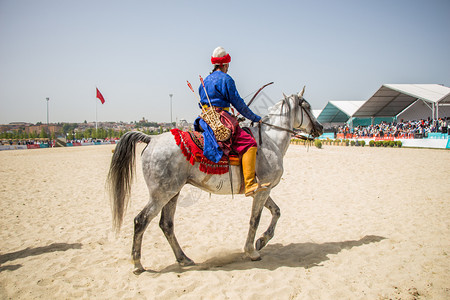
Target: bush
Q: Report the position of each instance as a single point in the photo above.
(378, 143)
(318, 143)
(298, 141)
(391, 144)
(371, 143)
(399, 144)
(346, 142)
(362, 143)
(385, 143)
(353, 143)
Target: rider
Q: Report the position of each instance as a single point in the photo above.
(222, 92)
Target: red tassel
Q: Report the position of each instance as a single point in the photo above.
(176, 134)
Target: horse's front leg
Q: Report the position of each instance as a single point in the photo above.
(258, 203)
(268, 235)
(167, 226)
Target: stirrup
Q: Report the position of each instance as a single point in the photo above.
(259, 188)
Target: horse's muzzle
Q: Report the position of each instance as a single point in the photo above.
(317, 130)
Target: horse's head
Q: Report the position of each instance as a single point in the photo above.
(304, 119)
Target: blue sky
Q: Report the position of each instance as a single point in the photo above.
(138, 52)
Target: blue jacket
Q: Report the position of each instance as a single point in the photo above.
(222, 92)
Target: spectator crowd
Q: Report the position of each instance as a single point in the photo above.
(398, 129)
(24, 142)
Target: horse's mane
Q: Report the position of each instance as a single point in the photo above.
(278, 108)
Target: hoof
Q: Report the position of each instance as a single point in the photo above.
(138, 271)
(260, 243)
(254, 255)
(138, 268)
(186, 263)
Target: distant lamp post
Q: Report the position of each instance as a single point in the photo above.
(170, 95)
(48, 128)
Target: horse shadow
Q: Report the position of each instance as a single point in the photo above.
(295, 255)
(33, 252)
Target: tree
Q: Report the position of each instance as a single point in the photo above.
(88, 133)
(101, 133)
(43, 134)
(21, 134)
(65, 128)
(69, 127)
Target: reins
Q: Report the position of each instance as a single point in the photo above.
(280, 128)
(285, 129)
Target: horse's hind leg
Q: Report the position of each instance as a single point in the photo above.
(167, 226)
(275, 211)
(141, 222)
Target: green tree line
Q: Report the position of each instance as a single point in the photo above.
(88, 133)
(67, 130)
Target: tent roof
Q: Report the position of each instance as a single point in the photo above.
(316, 112)
(391, 99)
(339, 111)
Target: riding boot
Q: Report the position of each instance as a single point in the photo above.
(248, 168)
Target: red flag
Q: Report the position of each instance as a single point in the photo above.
(100, 96)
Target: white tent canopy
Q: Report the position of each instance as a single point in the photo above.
(422, 110)
(392, 99)
(316, 112)
(339, 111)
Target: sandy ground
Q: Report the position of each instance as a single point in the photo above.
(356, 223)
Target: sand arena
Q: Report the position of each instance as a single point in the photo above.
(364, 223)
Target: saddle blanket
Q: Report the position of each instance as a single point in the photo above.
(191, 145)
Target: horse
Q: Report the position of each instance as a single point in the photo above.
(166, 171)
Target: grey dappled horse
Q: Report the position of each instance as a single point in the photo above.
(166, 171)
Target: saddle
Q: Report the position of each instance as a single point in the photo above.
(191, 144)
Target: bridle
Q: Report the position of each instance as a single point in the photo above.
(308, 113)
(302, 109)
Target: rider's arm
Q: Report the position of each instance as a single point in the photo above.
(239, 103)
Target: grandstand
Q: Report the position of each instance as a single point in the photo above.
(392, 103)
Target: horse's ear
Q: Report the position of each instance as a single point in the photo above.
(285, 97)
(302, 92)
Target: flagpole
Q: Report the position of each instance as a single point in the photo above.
(96, 126)
(100, 97)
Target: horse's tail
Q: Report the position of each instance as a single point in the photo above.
(121, 173)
